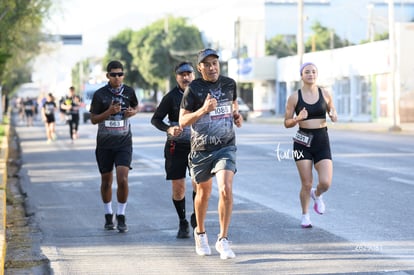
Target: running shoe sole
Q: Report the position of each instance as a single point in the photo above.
(315, 207)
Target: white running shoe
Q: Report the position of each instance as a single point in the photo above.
(306, 223)
(319, 205)
(201, 244)
(223, 247)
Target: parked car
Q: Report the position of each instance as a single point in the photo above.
(243, 109)
(147, 105)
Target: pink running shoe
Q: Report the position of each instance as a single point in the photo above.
(319, 205)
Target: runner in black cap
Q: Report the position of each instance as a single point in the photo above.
(177, 146)
(210, 106)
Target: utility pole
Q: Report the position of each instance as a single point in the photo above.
(299, 35)
(370, 23)
(237, 41)
(393, 61)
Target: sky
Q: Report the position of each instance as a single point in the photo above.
(99, 20)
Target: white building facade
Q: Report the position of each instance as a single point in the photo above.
(359, 78)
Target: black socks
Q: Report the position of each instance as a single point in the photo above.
(180, 207)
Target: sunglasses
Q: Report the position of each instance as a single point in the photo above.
(116, 74)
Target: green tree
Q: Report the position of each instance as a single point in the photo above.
(377, 37)
(158, 47)
(80, 73)
(281, 46)
(323, 39)
(118, 50)
(20, 34)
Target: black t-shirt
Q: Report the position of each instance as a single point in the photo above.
(215, 129)
(74, 104)
(115, 131)
(170, 107)
(49, 108)
(28, 105)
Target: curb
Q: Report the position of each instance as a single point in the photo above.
(4, 154)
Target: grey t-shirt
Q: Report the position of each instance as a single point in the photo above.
(215, 129)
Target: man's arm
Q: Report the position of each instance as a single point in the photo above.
(114, 108)
(238, 119)
(160, 113)
(131, 111)
(65, 107)
(188, 118)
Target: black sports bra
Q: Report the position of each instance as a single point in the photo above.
(316, 110)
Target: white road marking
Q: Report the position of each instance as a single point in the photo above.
(406, 181)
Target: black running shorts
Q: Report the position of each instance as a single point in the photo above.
(108, 158)
(176, 159)
(319, 149)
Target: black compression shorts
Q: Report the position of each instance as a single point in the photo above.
(319, 148)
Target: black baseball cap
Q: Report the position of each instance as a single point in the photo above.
(204, 53)
(184, 67)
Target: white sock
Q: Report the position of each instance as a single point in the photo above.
(121, 208)
(108, 208)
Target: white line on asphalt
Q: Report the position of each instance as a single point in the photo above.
(410, 182)
(373, 155)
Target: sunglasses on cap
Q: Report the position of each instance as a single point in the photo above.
(116, 74)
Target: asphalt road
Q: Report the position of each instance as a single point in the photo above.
(367, 228)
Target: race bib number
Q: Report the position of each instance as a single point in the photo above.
(303, 138)
(221, 111)
(114, 123)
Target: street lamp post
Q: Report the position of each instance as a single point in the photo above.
(393, 59)
(299, 35)
(370, 32)
(238, 33)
